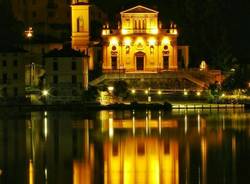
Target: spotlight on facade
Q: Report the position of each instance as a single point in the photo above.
(139, 40)
(165, 41)
(45, 92)
(127, 41)
(114, 41)
(154, 31)
(152, 41)
(124, 31)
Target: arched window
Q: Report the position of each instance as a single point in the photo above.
(80, 24)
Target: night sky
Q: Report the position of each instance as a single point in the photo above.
(217, 31)
(232, 15)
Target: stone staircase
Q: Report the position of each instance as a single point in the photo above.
(178, 75)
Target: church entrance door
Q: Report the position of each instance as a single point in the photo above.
(140, 61)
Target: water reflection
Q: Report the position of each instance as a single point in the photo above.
(125, 147)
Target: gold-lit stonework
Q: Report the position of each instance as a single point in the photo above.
(80, 25)
(140, 44)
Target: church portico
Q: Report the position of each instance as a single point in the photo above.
(139, 44)
(140, 53)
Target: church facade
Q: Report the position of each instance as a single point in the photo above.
(139, 44)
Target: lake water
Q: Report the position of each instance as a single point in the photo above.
(125, 147)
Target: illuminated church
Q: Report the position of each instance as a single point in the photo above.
(140, 44)
(143, 52)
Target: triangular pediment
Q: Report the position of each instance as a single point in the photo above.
(139, 9)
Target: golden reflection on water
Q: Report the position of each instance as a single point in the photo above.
(127, 147)
(141, 160)
(31, 172)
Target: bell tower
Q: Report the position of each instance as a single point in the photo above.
(80, 24)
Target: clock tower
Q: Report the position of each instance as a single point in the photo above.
(80, 25)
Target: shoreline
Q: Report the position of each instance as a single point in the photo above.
(121, 106)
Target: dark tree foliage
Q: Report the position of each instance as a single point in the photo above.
(120, 89)
(238, 80)
(91, 94)
(10, 28)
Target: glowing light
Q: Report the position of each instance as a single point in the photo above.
(185, 92)
(133, 91)
(165, 41)
(46, 174)
(111, 128)
(223, 95)
(139, 40)
(198, 93)
(45, 127)
(160, 122)
(124, 31)
(199, 123)
(152, 41)
(45, 92)
(173, 30)
(114, 41)
(127, 41)
(154, 31)
(186, 121)
(133, 121)
(31, 172)
(29, 32)
(159, 92)
(110, 88)
(146, 91)
(104, 32)
(203, 65)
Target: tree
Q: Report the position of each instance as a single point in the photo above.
(91, 94)
(121, 89)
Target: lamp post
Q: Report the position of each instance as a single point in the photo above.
(45, 94)
(29, 35)
(133, 93)
(159, 92)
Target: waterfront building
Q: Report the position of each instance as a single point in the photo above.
(145, 54)
(51, 18)
(12, 73)
(66, 74)
(140, 43)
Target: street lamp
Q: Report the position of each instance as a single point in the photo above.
(29, 32)
(133, 93)
(110, 89)
(45, 92)
(185, 92)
